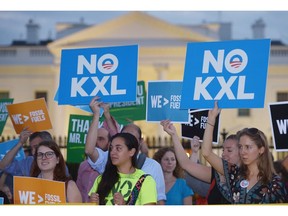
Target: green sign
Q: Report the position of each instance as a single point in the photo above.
(127, 112)
(4, 112)
(123, 112)
(77, 132)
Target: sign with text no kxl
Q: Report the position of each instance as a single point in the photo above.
(108, 72)
(230, 72)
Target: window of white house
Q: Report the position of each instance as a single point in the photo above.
(243, 112)
(42, 94)
(4, 94)
(282, 96)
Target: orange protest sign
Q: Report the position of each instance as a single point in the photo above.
(33, 114)
(29, 190)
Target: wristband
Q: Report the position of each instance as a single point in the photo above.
(210, 124)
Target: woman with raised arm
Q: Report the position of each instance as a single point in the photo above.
(204, 173)
(254, 180)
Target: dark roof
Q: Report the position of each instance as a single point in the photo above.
(24, 43)
(45, 42)
(277, 43)
(18, 43)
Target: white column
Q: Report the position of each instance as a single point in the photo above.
(58, 115)
(161, 69)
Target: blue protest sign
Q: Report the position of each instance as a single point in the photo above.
(163, 102)
(7, 146)
(108, 72)
(231, 72)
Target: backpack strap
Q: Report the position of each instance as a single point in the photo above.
(136, 190)
(140, 160)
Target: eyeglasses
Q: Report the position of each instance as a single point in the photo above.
(253, 131)
(257, 135)
(250, 131)
(48, 155)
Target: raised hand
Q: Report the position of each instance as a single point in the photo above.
(212, 114)
(106, 107)
(95, 105)
(24, 135)
(168, 127)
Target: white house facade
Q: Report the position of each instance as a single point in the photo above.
(28, 71)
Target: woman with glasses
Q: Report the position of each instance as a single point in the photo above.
(49, 164)
(254, 180)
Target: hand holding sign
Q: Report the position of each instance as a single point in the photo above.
(95, 105)
(168, 127)
(212, 114)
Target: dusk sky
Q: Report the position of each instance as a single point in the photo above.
(14, 15)
(12, 23)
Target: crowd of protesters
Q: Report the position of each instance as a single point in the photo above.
(118, 171)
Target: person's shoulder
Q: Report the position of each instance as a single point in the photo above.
(139, 173)
(152, 166)
(28, 158)
(26, 161)
(100, 151)
(84, 163)
(71, 184)
(181, 181)
(151, 161)
(276, 179)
